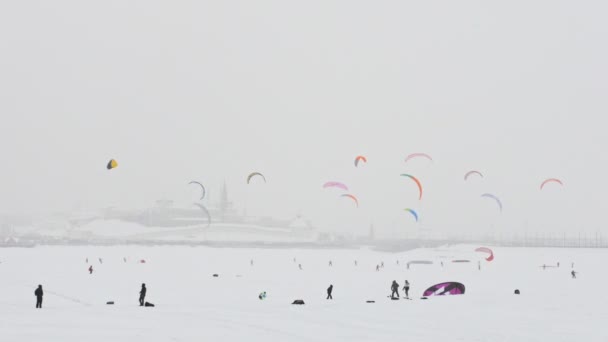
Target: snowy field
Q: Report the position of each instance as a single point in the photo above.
(192, 305)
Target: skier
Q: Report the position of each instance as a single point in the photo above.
(395, 289)
(330, 264)
(142, 294)
(377, 268)
(572, 265)
(397, 262)
(91, 269)
(479, 265)
(442, 264)
(300, 266)
(406, 288)
(329, 290)
(355, 262)
(573, 274)
(38, 293)
(124, 259)
(100, 260)
(558, 264)
(262, 295)
(251, 262)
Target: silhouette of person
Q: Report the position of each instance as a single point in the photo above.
(395, 289)
(38, 293)
(406, 288)
(142, 294)
(329, 290)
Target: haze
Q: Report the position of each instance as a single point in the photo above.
(211, 91)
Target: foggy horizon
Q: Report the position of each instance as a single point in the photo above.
(211, 92)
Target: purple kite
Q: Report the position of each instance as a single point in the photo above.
(449, 288)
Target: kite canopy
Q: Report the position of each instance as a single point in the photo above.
(202, 188)
(418, 155)
(411, 211)
(352, 197)
(448, 288)
(417, 183)
(335, 185)
(112, 164)
(486, 250)
(202, 207)
(254, 174)
(496, 199)
(472, 172)
(420, 262)
(358, 159)
(551, 180)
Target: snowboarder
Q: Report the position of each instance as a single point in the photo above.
(329, 290)
(142, 294)
(573, 274)
(406, 288)
(38, 293)
(91, 269)
(395, 289)
(262, 295)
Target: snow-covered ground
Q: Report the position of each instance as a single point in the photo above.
(192, 305)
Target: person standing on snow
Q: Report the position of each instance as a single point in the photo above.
(573, 274)
(91, 269)
(329, 290)
(395, 289)
(406, 288)
(38, 293)
(142, 294)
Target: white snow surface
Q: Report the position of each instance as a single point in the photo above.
(192, 305)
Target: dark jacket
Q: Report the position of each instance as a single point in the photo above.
(142, 293)
(330, 288)
(38, 292)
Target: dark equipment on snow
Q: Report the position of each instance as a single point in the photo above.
(215, 275)
(110, 303)
(298, 302)
(516, 291)
(370, 301)
(149, 304)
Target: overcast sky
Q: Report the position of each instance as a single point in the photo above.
(213, 90)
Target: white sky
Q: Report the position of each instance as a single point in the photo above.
(213, 90)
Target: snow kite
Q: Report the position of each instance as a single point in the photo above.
(417, 183)
(417, 155)
(551, 180)
(449, 288)
(419, 262)
(486, 250)
(472, 172)
(498, 202)
(335, 185)
(253, 174)
(411, 211)
(202, 207)
(352, 197)
(112, 164)
(358, 159)
(202, 188)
